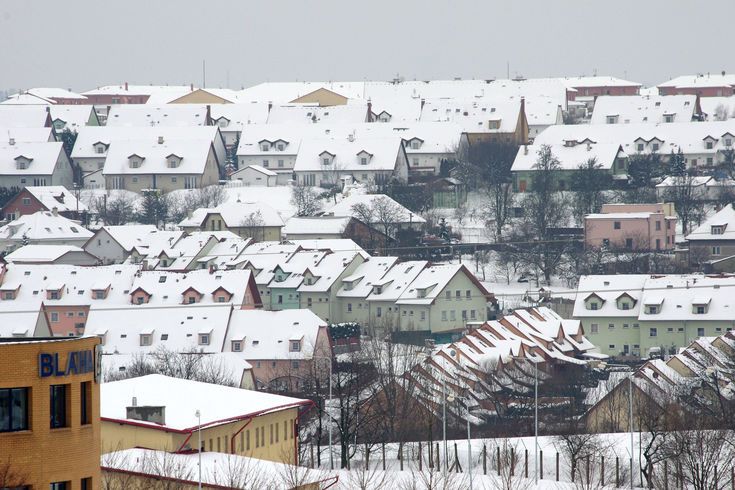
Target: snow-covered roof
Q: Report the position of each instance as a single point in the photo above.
(184, 397)
(644, 108)
(701, 81)
(609, 288)
(73, 116)
(237, 214)
(687, 136)
(257, 168)
(333, 244)
(382, 154)
(718, 107)
(89, 136)
(723, 221)
(570, 157)
(359, 284)
(44, 225)
(314, 225)
(265, 335)
(167, 288)
(597, 81)
(344, 207)
(130, 236)
(56, 196)
(27, 135)
(190, 154)
(23, 116)
(130, 89)
(41, 157)
(475, 115)
(352, 112)
(397, 280)
(142, 115)
(41, 253)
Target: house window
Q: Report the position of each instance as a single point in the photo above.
(280, 163)
(448, 294)
(708, 145)
(610, 326)
(452, 316)
(616, 225)
(464, 314)
(349, 307)
(594, 328)
(54, 316)
(472, 314)
(640, 147)
(191, 300)
(593, 305)
(717, 230)
(280, 146)
(265, 164)
(325, 161)
(700, 332)
(658, 226)
(700, 310)
(444, 315)
(295, 346)
(625, 325)
(468, 294)
(415, 162)
(655, 145)
(145, 339)
(379, 312)
(203, 339)
(265, 147)
(58, 406)
(652, 310)
(652, 332)
(13, 409)
(611, 346)
(423, 315)
(236, 346)
(363, 160)
(294, 364)
(716, 250)
(628, 243)
(636, 325)
(54, 295)
(308, 302)
(85, 403)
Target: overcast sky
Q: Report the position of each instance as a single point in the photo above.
(82, 44)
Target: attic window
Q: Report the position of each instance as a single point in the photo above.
(717, 229)
(162, 279)
(256, 342)
(27, 273)
(164, 336)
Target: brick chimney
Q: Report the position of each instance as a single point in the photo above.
(126, 86)
(370, 111)
(191, 87)
(208, 118)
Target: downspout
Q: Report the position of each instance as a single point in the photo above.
(335, 478)
(232, 439)
(296, 433)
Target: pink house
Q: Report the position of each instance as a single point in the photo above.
(632, 227)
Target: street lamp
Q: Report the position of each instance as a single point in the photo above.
(535, 412)
(309, 357)
(422, 355)
(451, 398)
(198, 415)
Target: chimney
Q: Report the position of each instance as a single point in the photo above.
(191, 87)
(11, 141)
(145, 264)
(208, 118)
(189, 214)
(589, 146)
(126, 86)
(351, 137)
(55, 211)
(423, 101)
(525, 149)
(160, 140)
(370, 111)
(270, 106)
(211, 268)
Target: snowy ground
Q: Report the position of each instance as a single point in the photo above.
(617, 445)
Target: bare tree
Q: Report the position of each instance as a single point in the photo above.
(687, 204)
(255, 224)
(305, 199)
(113, 211)
(11, 475)
(507, 476)
(365, 213)
(589, 182)
(166, 470)
(701, 459)
(388, 215)
(235, 471)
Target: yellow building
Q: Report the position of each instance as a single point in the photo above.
(159, 412)
(256, 220)
(49, 413)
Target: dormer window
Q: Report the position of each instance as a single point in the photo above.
(494, 124)
(611, 119)
(135, 161)
(593, 302)
(326, 158)
(700, 305)
(145, 339)
(223, 122)
(173, 161)
(378, 289)
(669, 118)
(204, 339)
(364, 157)
(717, 229)
(236, 346)
(295, 345)
(265, 146)
(22, 163)
(654, 146)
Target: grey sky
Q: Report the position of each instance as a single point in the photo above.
(82, 44)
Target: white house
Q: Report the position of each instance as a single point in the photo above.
(255, 175)
(34, 163)
(42, 228)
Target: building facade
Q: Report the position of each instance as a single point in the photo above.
(49, 413)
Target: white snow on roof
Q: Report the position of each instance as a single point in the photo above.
(41, 253)
(27, 135)
(344, 207)
(265, 335)
(42, 157)
(311, 225)
(701, 81)
(75, 117)
(639, 109)
(56, 196)
(142, 115)
(43, 225)
(183, 397)
(352, 112)
(382, 154)
(723, 220)
(570, 158)
(237, 214)
(23, 116)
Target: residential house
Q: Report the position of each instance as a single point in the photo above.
(135, 94)
(609, 158)
(713, 242)
(113, 244)
(329, 162)
(73, 117)
(654, 109)
(233, 119)
(282, 346)
(703, 187)
(34, 163)
(354, 111)
(638, 227)
(334, 228)
(46, 96)
(639, 315)
(25, 116)
(51, 255)
(162, 411)
(588, 88)
(256, 220)
(161, 164)
(395, 216)
(255, 175)
(709, 85)
(42, 228)
(32, 199)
